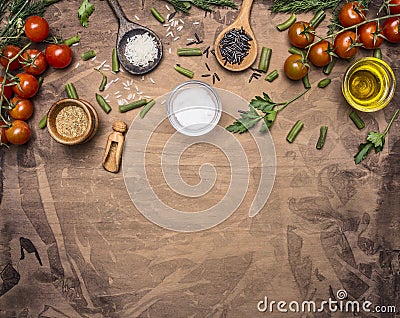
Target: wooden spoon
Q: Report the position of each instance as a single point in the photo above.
(242, 20)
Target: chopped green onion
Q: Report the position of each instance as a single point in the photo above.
(71, 91)
(306, 82)
(317, 19)
(265, 59)
(43, 122)
(328, 68)
(324, 82)
(322, 137)
(189, 52)
(146, 108)
(357, 120)
(286, 25)
(103, 81)
(103, 103)
(272, 76)
(72, 40)
(88, 55)
(115, 62)
(378, 53)
(157, 15)
(184, 71)
(133, 105)
(297, 127)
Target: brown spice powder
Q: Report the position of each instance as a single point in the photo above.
(71, 122)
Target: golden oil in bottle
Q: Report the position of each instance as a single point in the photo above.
(369, 84)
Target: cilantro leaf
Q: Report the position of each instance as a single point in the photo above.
(270, 117)
(264, 104)
(236, 127)
(376, 138)
(363, 151)
(245, 122)
(84, 12)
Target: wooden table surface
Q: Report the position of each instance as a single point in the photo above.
(328, 224)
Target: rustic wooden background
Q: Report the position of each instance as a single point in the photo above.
(328, 224)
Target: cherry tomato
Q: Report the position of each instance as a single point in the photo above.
(300, 34)
(294, 67)
(344, 44)
(319, 53)
(28, 85)
(23, 108)
(7, 89)
(34, 62)
(352, 13)
(394, 6)
(19, 132)
(391, 30)
(8, 53)
(368, 35)
(3, 138)
(58, 55)
(36, 28)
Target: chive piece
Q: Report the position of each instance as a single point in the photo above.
(286, 25)
(378, 53)
(297, 127)
(317, 18)
(115, 62)
(184, 71)
(72, 40)
(71, 91)
(272, 76)
(157, 15)
(322, 137)
(306, 82)
(103, 81)
(328, 68)
(357, 120)
(265, 59)
(189, 52)
(40, 81)
(43, 122)
(133, 105)
(295, 50)
(103, 103)
(324, 82)
(146, 108)
(88, 55)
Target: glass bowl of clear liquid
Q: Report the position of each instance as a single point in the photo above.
(194, 108)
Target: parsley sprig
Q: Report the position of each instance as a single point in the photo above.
(269, 111)
(375, 140)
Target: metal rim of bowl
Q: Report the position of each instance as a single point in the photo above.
(179, 127)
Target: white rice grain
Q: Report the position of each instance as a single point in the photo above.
(137, 18)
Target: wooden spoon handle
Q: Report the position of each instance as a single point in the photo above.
(116, 7)
(245, 10)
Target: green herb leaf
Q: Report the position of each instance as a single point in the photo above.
(264, 104)
(270, 117)
(245, 122)
(363, 151)
(236, 127)
(376, 138)
(84, 12)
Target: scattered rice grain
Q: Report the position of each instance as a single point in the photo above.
(77, 65)
(181, 21)
(176, 38)
(167, 7)
(137, 18)
(163, 102)
(179, 28)
(195, 23)
(151, 80)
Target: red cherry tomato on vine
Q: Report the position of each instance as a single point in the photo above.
(28, 85)
(8, 53)
(300, 34)
(7, 91)
(294, 67)
(351, 14)
(23, 108)
(319, 53)
(344, 44)
(34, 62)
(369, 35)
(3, 139)
(36, 28)
(391, 30)
(19, 132)
(394, 6)
(58, 55)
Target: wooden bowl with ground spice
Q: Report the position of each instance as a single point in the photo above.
(72, 121)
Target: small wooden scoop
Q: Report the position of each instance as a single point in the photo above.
(242, 20)
(115, 145)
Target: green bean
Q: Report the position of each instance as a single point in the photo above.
(286, 25)
(297, 127)
(265, 59)
(324, 82)
(43, 122)
(357, 120)
(88, 55)
(184, 71)
(189, 52)
(295, 50)
(157, 15)
(377, 53)
(328, 68)
(322, 137)
(115, 62)
(317, 18)
(306, 82)
(146, 108)
(272, 76)
(103, 80)
(72, 40)
(133, 105)
(103, 103)
(71, 91)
